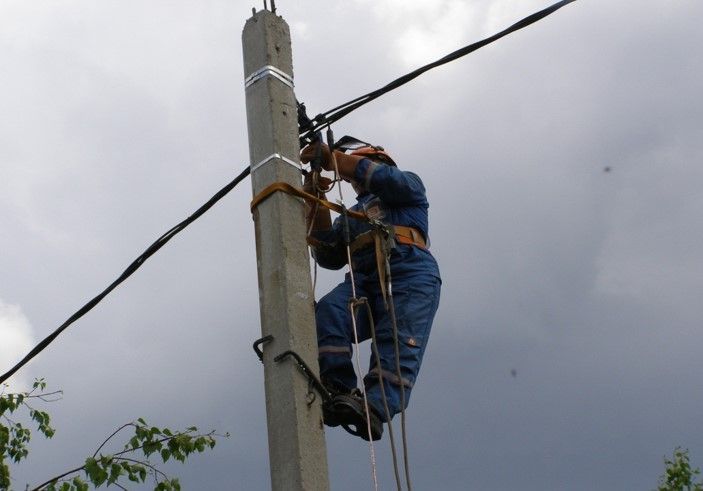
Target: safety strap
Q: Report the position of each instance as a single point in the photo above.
(383, 240)
(409, 236)
(403, 235)
(292, 190)
(383, 249)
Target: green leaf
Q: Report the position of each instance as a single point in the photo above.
(100, 477)
(91, 468)
(80, 484)
(115, 473)
(133, 442)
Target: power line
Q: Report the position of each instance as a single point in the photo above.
(325, 119)
(320, 122)
(134, 266)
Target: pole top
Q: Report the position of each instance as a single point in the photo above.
(272, 10)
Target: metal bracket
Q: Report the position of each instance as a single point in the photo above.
(258, 343)
(314, 381)
(268, 71)
(273, 156)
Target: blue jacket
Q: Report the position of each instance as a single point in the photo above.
(394, 197)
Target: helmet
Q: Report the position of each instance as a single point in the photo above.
(375, 153)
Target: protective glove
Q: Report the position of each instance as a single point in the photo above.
(346, 163)
(309, 152)
(323, 184)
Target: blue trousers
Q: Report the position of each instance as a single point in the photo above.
(415, 298)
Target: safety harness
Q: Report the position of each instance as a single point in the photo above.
(401, 234)
(382, 237)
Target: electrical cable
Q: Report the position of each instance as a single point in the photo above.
(135, 265)
(325, 119)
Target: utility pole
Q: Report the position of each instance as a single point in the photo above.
(297, 452)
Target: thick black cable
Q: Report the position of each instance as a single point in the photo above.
(324, 120)
(136, 264)
(335, 114)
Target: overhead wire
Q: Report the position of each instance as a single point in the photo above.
(326, 118)
(129, 271)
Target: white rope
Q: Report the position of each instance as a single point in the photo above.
(372, 451)
(391, 311)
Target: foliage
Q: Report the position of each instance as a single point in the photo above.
(14, 437)
(679, 476)
(132, 463)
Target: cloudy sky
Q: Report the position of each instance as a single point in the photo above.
(119, 118)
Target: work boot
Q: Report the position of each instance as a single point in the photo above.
(348, 411)
(329, 416)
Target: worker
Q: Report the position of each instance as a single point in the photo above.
(392, 197)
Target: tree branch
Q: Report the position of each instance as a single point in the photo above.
(56, 478)
(113, 434)
(145, 463)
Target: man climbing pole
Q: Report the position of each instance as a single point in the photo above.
(392, 268)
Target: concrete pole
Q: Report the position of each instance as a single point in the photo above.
(297, 452)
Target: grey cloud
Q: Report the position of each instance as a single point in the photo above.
(118, 122)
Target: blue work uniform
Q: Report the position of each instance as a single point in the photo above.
(398, 198)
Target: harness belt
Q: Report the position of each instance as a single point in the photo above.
(290, 189)
(376, 237)
(382, 244)
(402, 235)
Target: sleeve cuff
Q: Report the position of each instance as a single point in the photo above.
(364, 171)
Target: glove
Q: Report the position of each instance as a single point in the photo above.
(346, 163)
(309, 152)
(323, 184)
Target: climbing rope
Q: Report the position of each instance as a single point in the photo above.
(354, 303)
(345, 224)
(390, 307)
(396, 349)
